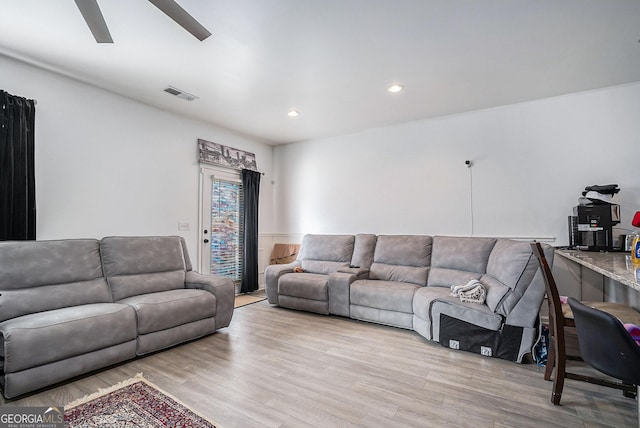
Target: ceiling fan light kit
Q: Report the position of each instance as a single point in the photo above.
(95, 21)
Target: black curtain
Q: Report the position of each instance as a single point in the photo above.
(251, 189)
(17, 175)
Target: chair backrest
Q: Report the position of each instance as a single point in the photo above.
(556, 319)
(605, 344)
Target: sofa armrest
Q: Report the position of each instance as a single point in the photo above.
(219, 286)
(272, 274)
(338, 288)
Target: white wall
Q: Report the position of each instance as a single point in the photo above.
(531, 162)
(108, 165)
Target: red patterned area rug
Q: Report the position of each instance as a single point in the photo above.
(133, 403)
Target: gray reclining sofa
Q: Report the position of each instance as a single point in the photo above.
(404, 281)
(69, 307)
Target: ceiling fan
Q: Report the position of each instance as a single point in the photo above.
(93, 16)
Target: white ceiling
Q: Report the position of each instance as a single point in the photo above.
(333, 59)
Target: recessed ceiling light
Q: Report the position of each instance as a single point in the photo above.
(395, 88)
(293, 113)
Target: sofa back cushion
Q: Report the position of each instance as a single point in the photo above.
(141, 265)
(363, 251)
(37, 276)
(456, 260)
(403, 258)
(325, 254)
(510, 270)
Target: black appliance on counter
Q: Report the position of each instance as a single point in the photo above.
(591, 227)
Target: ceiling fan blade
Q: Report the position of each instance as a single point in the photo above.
(93, 16)
(182, 17)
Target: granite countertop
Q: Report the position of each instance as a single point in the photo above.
(617, 266)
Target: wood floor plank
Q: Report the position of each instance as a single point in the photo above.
(274, 367)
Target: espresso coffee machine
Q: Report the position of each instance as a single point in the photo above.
(591, 228)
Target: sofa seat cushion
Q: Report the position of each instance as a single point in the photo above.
(311, 286)
(46, 337)
(167, 309)
(387, 295)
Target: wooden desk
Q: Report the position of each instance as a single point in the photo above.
(595, 276)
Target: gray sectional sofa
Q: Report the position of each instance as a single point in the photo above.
(404, 281)
(69, 307)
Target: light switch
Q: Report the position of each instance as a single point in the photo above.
(184, 225)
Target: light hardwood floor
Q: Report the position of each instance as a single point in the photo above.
(281, 368)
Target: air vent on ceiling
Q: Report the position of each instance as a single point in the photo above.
(180, 94)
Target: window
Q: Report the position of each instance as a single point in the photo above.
(226, 228)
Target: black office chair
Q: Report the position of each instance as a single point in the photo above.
(606, 345)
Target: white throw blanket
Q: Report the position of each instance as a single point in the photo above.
(473, 292)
